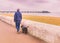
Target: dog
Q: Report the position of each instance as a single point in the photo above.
(24, 29)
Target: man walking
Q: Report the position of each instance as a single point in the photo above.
(17, 19)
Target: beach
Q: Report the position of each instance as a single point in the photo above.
(44, 19)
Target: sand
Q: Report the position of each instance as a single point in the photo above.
(44, 19)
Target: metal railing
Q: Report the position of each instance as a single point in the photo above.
(25, 11)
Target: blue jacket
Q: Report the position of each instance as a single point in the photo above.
(17, 16)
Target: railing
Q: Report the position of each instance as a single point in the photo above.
(25, 11)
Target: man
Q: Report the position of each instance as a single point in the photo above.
(17, 19)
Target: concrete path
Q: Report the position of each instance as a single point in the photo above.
(8, 35)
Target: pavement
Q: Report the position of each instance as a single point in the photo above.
(8, 34)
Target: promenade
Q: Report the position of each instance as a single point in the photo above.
(8, 34)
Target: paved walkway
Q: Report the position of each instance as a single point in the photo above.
(8, 35)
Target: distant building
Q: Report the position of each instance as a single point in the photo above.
(45, 12)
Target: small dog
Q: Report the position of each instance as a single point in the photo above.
(24, 29)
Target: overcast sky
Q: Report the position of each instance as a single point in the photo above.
(50, 5)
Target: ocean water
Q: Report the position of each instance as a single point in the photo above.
(53, 14)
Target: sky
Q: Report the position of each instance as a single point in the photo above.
(38, 5)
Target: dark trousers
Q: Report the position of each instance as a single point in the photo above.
(18, 25)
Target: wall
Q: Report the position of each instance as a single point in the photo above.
(47, 32)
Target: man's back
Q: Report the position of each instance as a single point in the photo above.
(17, 16)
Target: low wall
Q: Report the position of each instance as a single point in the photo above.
(47, 32)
